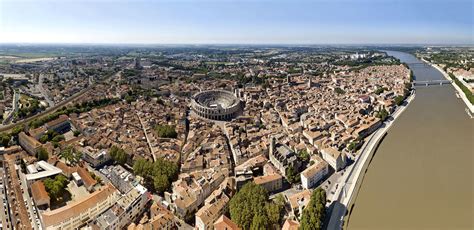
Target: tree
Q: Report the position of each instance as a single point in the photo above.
(67, 154)
(23, 166)
(15, 131)
(161, 182)
(118, 155)
(76, 133)
(399, 99)
(70, 155)
(42, 154)
(44, 138)
(340, 91)
(142, 167)
(160, 173)
(247, 203)
(353, 146)
(379, 90)
(382, 114)
(56, 187)
(292, 175)
(314, 214)
(251, 209)
(57, 138)
(280, 200)
(273, 212)
(259, 222)
(166, 131)
(303, 155)
(5, 139)
(95, 177)
(51, 136)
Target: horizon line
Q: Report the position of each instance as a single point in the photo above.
(234, 44)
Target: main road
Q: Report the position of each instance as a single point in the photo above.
(16, 98)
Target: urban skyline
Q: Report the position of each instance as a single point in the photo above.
(236, 114)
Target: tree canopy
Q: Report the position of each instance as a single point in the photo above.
(340, 91)
(382, 114)
(292, 175)
(314, 214)
(158, 175)
(399, 99)
(250, 208)
(303, 155)
(56, 187)
(166, 131)
(70, 155)
(118, 155)
(77, 108)
(5, 139)
(42, 154)
(51, 136)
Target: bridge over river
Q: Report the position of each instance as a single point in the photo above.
(421, 176)
(431, 82)
(417, 64)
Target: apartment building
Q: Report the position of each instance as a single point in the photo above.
(82, 211)
(314, 173)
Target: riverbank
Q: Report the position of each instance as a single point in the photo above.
(421, 176)
(458, 89)
(351, 182)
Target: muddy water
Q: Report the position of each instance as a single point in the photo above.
(421, 176)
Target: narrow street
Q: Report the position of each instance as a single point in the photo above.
(147, 138)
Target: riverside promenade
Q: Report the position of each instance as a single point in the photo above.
(349, 184)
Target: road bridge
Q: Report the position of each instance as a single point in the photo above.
(431, 82)
(417, 64)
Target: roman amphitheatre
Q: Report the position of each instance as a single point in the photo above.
(220, 105)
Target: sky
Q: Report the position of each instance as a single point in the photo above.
(237, 22)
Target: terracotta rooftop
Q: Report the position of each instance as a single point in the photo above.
(66, 169)
(35, 132)
(59, 120)
(224, 223)
(303, 197)
(64, 213)
(86, 177)
(315, 168)
(290, 225)
(267, 178)
(31, 141)
(39, 193)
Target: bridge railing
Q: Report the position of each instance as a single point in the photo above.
(431, 82)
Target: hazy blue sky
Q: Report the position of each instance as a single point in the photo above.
(246, 21)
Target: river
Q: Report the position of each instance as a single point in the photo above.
(421, 176)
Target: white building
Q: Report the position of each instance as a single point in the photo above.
(334, 157)
(314, 173)
(77, 178)
(41, 169)
(126, 210)
(95, 158)
(78, 213)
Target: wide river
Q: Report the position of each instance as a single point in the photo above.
(421, 176)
